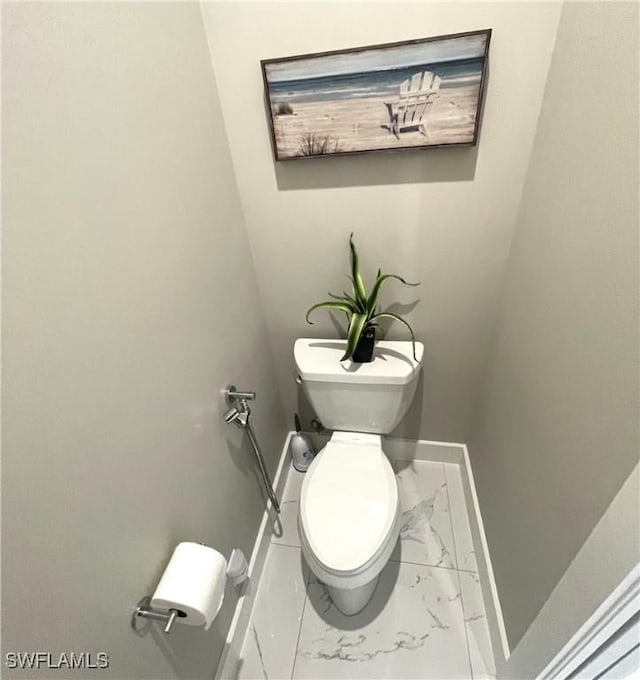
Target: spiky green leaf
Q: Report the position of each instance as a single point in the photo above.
(389, 315)
(360, 303)
(351, 299)
(331, 304)
(356, 327)
(345, 300)
(373, 298)
(359, 291)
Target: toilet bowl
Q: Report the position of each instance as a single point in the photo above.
(349, 517)
(349, 508)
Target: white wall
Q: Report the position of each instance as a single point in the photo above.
(129, 303)
(558, 429)
(443, 217)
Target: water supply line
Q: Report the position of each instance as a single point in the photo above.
(240, 415)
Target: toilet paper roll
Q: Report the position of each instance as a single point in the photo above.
(193, 583)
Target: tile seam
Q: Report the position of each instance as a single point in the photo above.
(455, 547)
(304, 607)
(453, 532)
(286, 545)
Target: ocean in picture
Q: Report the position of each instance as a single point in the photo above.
(383, 83)
(415, 94)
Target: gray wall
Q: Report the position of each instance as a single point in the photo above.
(443, 217)
(558, 432)
(129, 303)
(610, 553)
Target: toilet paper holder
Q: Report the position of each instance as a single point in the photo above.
(144, 610)
(237, 572)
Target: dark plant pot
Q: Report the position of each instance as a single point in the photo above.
(363, 352)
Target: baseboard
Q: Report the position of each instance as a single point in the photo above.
(423, 449)
(406, 449)
(495, 621)
(230, 657)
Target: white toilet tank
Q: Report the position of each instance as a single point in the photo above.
(371, 397)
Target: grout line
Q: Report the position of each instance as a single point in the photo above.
(295, 499)
(408, 459)
(464, 623)
(257, 643)
(304, 606)
(286, 545)
(251, 620)
(431, 566)
(453, 532)
(292, 545)
(455, 547)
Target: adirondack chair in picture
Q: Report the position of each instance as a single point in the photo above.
(416, 97)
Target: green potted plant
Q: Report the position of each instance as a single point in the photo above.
(362, 311)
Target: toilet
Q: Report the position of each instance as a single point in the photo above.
(349, 506)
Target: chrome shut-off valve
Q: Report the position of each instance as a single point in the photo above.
(239, 412)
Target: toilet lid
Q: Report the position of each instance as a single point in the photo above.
(348, 504)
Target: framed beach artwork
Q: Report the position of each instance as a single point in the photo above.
(405, 95)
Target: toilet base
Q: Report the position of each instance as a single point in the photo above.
(350, 602)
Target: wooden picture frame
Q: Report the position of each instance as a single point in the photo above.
(414, 94)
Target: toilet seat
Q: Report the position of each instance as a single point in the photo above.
(349, 509)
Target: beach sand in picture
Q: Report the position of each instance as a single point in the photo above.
(363, 124)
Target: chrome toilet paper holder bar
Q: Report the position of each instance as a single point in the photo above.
(144, 610)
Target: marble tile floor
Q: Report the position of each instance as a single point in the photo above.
(426, 619)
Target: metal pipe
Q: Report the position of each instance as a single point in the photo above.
(145, 611)
(172, 618)
(263, 469)
(240, 415)
(234, 394)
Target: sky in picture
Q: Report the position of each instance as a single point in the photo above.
(467, 47)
